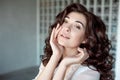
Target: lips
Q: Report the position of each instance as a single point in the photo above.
(65, 36)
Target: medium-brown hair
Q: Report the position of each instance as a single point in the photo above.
(98, 45)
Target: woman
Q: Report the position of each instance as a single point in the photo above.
(77, 47)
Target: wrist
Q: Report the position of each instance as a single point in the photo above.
(55, 57)
(63, 63)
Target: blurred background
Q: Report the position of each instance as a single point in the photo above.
(23, 29)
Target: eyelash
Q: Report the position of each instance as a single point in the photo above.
(76, 25)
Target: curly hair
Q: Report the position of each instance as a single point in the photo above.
(97, 44)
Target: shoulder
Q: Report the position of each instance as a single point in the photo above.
(84, 72)
(41, 68)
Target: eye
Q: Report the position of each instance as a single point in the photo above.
(77, 26)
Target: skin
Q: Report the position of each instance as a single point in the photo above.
(72, 33)
(65, 40)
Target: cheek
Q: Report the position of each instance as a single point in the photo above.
(77, 39)
(76, 42)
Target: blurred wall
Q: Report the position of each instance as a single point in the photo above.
(17, 35)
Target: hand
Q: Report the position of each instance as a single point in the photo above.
(76, 59)
(56, 48)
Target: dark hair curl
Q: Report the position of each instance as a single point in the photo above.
(97, 44)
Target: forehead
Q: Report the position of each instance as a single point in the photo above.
(75, 16)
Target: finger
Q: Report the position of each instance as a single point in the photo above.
(85, 50)
(52, 35)
(77, 55)
(57, 29)
(86, 53)
(80, 50)
(57, 32)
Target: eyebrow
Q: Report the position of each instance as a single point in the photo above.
(77, 21)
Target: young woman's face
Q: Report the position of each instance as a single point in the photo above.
(72, 33)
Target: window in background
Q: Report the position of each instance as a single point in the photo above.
(106, 9)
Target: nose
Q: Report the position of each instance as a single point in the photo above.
(68, 28)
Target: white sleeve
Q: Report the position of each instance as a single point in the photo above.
(87, 74)
(41, 68)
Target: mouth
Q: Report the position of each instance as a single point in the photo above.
(64, 36)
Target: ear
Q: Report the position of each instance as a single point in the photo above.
(84, 41)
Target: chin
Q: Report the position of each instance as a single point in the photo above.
(64, 44)
(61, 43)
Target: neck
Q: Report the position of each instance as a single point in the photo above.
(70, 52)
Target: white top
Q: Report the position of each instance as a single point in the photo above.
(77, 72)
